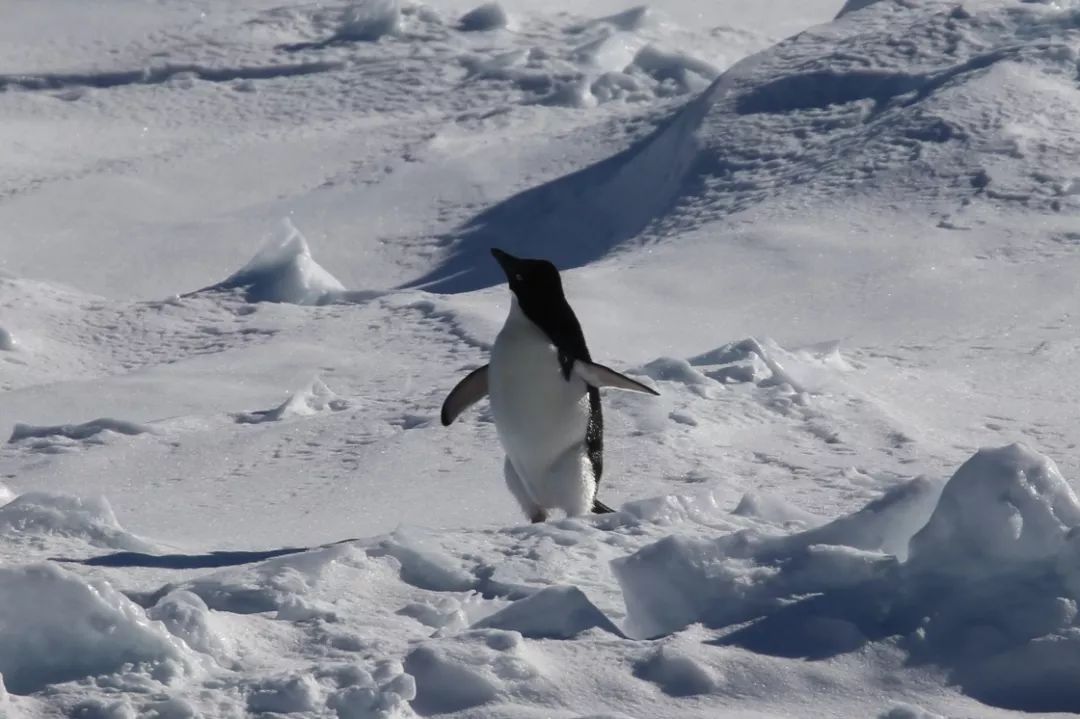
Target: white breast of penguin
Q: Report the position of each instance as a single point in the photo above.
(539, 415)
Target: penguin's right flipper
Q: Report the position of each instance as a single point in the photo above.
(599, 507)
(468, 392)
(598, 375)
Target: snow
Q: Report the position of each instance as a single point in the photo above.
(85, 430)
(91, 519)
(369, 20)
(847, 260)
(284, 271)
(102, 632)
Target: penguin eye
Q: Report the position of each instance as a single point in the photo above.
(519, 278)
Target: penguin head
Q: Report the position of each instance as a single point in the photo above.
(532, 281)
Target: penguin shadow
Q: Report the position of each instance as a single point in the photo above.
(208, 560)
(822, 626)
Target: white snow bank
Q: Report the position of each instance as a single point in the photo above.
(284, 271)
(7, 340)
(314, 398)
(82, 431)
(369, 20)
(91, 519)
(57, 627)
(489, 16)
(990, 591)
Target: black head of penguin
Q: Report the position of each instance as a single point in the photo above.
(539, 292)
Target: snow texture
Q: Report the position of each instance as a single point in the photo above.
(835, 235)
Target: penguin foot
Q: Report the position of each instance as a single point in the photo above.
(538, 516)
(599, 507)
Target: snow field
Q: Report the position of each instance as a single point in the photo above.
(809, 516)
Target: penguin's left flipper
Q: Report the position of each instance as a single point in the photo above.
(468, 392)
(598, 375)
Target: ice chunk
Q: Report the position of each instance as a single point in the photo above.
(57, 627)
(551, 613)
(1005, 504)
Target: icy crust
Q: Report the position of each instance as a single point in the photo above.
(989, 591)
(57, 627)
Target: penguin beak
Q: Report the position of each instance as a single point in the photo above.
(507, 261)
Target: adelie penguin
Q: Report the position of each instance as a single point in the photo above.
(545, 396)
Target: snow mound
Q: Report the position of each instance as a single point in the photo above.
(551, 613)
(471, 669)
(285, 695)
(186, 616)
(676, 673)
(369, 20)
(1003, 505)
(314, 398)
(57, 627)
(83, 431)
(90, 519)
(489, 16)
(284, 271)
(7, 340)
(6, 495)
(989, 592)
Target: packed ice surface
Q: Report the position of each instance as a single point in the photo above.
(847, 260)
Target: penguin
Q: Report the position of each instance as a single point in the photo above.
(544, 391)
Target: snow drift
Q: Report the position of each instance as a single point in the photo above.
(989, 591)
(821, 114)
